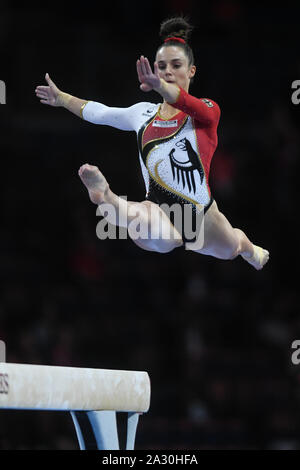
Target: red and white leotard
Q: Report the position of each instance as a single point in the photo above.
(175, 154)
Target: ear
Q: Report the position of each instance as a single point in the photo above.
(192, 71)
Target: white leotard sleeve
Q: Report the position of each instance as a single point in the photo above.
(126, 119)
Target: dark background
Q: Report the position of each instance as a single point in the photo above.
(215, 336)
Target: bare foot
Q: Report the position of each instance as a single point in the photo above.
(259, 258)
(95, 182)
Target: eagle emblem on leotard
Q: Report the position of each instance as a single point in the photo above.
(184, 171)
(173, 163)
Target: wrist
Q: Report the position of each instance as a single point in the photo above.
(162, 87)
(169, 91)
(63, 99)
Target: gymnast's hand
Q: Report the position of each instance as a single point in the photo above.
(50, 95)
(152, 81)
(149, 80)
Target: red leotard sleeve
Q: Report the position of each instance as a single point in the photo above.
(207, 112)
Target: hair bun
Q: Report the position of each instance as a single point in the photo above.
(176, 26)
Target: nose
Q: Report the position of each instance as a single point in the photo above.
(168, 71)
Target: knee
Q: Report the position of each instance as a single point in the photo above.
(234, 251)
(165, 247)
(146, 239)
(229, 252)
(138, 228)
(157, 246)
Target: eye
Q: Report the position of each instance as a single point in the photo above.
(161, 67)
(177, 66)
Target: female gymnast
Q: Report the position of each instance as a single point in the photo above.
(177, 139)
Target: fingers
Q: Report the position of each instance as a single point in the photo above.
(145, 74)
(41, 93)
(143, 66)
(42, 88)
(49, 81)
(148, 66)
(43, 96)
(156, 69)
(47, 94)
(139, 71)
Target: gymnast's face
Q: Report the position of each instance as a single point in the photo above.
(174, 67)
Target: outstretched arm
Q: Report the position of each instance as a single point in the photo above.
(53, 96)
(91, 111)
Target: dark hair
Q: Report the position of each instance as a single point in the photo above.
(178, 27)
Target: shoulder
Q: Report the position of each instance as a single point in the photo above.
(145, 108)
(211, 110)
(210, 103)
(140, 113)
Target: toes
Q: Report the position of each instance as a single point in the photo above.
(87, 168)
(84, 168)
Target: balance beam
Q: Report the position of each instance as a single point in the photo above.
(93, 396)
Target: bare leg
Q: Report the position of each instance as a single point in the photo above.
(163, 237)
(223, 241)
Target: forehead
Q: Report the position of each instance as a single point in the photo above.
(168, 53)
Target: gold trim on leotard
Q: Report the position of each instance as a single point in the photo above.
(82, 108)
(161, 138)
(164, 119)
(158, 179)
(143, 146)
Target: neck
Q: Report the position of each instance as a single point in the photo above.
(168, 110)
